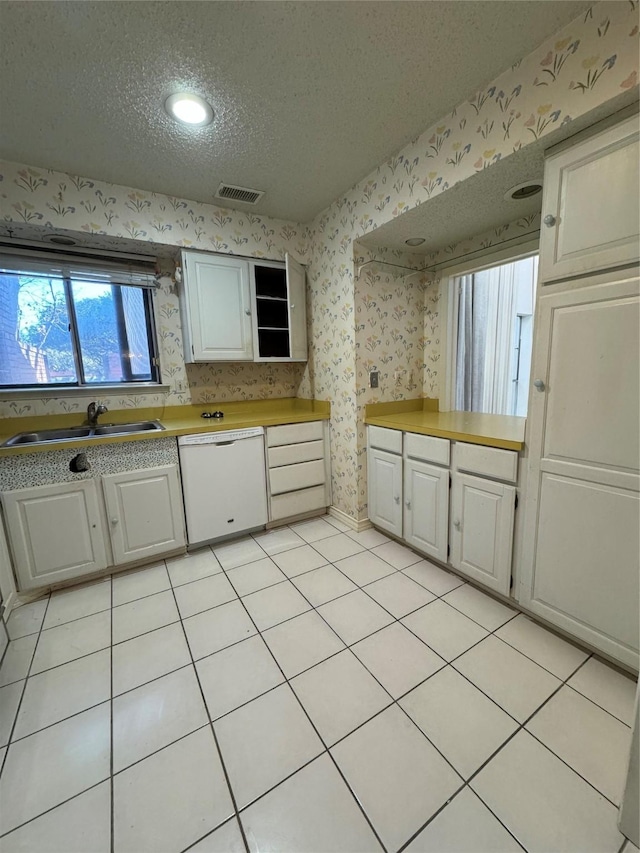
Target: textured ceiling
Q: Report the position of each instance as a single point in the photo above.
(309, 96)
(468, 208)
(477, 204)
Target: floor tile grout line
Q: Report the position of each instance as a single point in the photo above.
(312, 724)
(307, 669)
(390, 704)
(393, 702)
(24, 689)
(522, 727)
(215, 829)
(53, 808)
(64, 663)
(395, 619)
(212, 730)
(76, 619)
(150, 631)
(19, 607)
(328, 749)
(490, 758)
(433, 817)
(442, 597)
(160, 749)
(446, 663)
(593, 702)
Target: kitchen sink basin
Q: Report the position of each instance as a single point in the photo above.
(47, 436)
(125, 429)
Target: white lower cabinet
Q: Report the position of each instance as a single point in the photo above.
(463, 517)
(298, 469)
(426, 508)
(385, 490)
(482, 517)
(144, 512)
(55, 532)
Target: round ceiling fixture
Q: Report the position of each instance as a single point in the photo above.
(188, 109)
(60, 239)
(522, 191)
(415, 241)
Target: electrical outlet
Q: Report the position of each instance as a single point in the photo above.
(374, 376)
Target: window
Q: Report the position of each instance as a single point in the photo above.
(75, 326)
(492, 326)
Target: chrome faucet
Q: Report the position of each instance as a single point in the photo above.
(93, 413)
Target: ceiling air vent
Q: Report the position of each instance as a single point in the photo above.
(243, 194)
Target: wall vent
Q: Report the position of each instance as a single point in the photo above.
(243, 194)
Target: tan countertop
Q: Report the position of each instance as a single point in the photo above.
(176, 420)
(419, 416)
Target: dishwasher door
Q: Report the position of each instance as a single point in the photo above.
(223, 481)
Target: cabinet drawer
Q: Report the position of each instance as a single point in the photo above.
(295, 503)
(427, 448)
(289, 454)
(385, 439)
(294, 433)
(292, 477)
(487, 461)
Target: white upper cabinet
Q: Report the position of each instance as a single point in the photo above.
(482, 516)
(243, 310)
(56, 532)
(145, 512)
(216, 308)
(590, 211)
(297, 292)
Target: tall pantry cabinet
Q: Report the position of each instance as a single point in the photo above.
(580, 551)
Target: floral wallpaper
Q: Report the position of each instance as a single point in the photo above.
(590, 62)
(34, 201)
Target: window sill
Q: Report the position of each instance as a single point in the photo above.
(95, 391)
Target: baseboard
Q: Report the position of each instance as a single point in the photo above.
(11, 602)
(352, 523)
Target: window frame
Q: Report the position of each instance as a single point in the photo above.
(81, 386)
(448, 309)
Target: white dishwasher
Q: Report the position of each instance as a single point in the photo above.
(223, 481)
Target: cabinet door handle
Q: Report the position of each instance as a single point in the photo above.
(292, 306)
(549, 220)
(114, 521)
(397, 499)
(539, 385)
(247, 311)
(457, 525)
(408, 504)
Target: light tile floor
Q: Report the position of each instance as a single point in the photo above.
(305, 689)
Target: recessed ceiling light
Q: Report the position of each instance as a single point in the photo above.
(522, 191)
(415, 241)
(189, 109)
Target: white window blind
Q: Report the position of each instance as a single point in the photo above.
(131, 271)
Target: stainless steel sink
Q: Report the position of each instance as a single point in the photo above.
(124, 429)
(48, 436)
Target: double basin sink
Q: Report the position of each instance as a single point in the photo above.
(81, 432)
